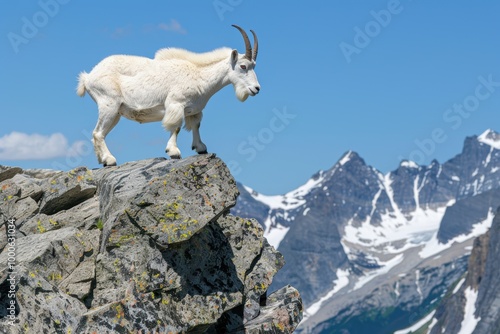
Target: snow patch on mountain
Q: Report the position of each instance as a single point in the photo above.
(417, 283)
(386, 184)
(459, 285)
(470, 321)
(284, 202)
(385, 237)
(386, 267)
(488, 158)
(416, 326)
(345, 159)
(274, 234)
(284, 206)
(291, 200)
(341, 282)
(433, 246)
(408, 164)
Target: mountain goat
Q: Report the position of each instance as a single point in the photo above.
(174, 86)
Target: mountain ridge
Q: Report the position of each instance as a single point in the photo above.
(351, 224)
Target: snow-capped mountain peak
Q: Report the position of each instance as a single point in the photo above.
(291, 200)
(282, 209)
(408, 164)
(345, 158)
(491, 138)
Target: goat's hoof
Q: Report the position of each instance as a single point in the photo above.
(201, 152)
(173, 153)
(109, 165)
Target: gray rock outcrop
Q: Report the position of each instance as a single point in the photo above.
(145, 247)
(483, 278)
(488, 282)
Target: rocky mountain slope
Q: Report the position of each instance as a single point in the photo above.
(147, 246)
(373, 251)
(473, 305)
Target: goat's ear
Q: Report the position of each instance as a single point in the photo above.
(234, 56)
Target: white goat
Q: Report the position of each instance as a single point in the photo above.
(173, 86)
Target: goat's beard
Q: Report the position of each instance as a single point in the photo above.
(241, 93)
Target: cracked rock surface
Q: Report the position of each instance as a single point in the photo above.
(145, 247)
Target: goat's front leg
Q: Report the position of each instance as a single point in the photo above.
(193, 123)
(173, 122)
(172, 150)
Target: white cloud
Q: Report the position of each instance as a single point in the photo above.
(22, 146)
(173, 26)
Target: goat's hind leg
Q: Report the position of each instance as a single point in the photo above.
(108, 118)
(193, 123)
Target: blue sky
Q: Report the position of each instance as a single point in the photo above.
(390, 80)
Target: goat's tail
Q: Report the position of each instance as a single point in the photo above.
(80, 90)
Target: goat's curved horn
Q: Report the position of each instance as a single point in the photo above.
(248, 47)
(255, 46)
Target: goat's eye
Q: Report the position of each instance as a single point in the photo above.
(243, 67)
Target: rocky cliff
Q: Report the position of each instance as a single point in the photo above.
(145, 247)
